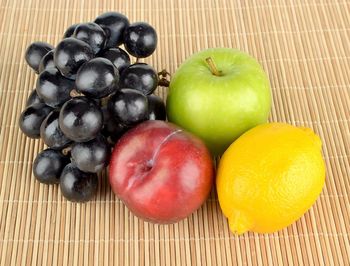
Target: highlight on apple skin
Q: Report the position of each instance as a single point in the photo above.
(161, 172)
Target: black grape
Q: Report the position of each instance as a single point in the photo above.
(114, 25)
(91, 156)
(31, 118)
(53, 88)
(33, 98)
(118, 57)
(156, 108)
(141, 77)
(80, 119)
(70, 54)
(77, 185)
(128, 106)
(140, 39)
(47, 62)
(51, 133)
(35, 52)
(97, 78)
(48, 166)
(92, 34)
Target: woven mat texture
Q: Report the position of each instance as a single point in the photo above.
(304, 46)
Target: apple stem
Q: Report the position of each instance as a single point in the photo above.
(214, 70)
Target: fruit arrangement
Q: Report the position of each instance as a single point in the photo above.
(269, 174)
(93, 108)
(87, 95)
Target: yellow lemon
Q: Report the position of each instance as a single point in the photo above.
(269, 177)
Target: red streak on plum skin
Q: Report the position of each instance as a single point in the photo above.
(176, 183)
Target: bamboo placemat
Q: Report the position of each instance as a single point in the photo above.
(305, 48)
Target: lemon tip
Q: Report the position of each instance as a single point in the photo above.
(239, 222)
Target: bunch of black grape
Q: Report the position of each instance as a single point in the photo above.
(87, 95)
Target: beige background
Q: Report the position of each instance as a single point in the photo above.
(304, 47)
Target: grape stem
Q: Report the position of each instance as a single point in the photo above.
(74, 93)
(67, 150)
(163, 81)
(214, 70)
(164, 73)
(104, 101)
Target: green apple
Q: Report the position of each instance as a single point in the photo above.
(218, 94)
